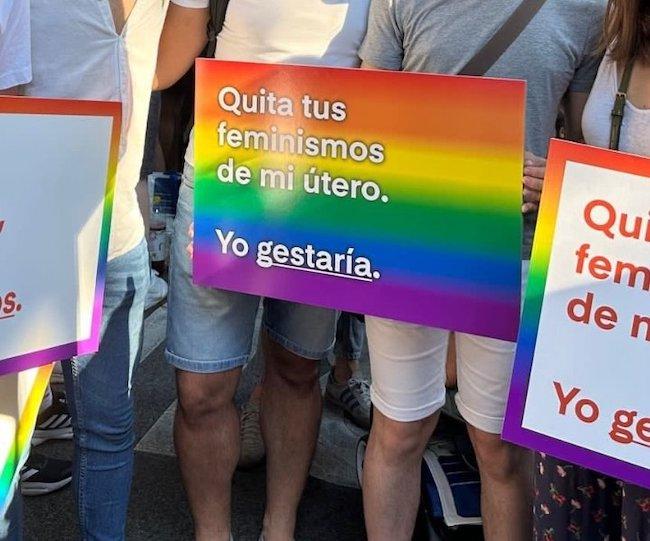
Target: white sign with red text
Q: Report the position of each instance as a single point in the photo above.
(581, 387)
(58, 170)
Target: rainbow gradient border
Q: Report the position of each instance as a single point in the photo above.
(38, 106)
(560, 153)
(19, 452)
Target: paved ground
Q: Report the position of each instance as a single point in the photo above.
(331, 508)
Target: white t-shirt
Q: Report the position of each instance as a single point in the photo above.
(310, 32)
(15, 51)
(76, 53)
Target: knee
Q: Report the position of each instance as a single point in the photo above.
(111, 432)
(401, 442)
(296, 372)
(498, 460)
(201, 396)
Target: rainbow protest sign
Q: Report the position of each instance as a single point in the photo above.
(579, 390)
(390, 194)
(55, 215)
(54, 226)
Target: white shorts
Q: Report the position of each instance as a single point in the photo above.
(408, 372)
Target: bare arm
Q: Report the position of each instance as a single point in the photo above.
(575, 103)
(183, 38)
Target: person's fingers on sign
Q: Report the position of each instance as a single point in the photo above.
(190, 246)
(534, 171)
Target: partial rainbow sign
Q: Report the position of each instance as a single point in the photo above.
(390, 194)
(55, 218)
(20, 401)
(579, 390)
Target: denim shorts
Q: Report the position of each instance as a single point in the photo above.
(212, 330)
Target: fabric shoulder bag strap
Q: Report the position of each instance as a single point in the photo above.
(485, 58)
(217, 17)
(619, 107)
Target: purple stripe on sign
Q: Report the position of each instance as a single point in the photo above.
(39, 358)
(452, 305)
(58, 353)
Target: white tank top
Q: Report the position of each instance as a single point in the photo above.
(76, 53)
(597, 120)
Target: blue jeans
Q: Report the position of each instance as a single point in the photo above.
(99, 394)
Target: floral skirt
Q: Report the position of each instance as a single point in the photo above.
(575, 504)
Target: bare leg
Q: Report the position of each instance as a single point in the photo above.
(344, 369)
(506, 475)
(256, 395)
(451, 369)
(206, 433)
(291, 408)
(391, 476)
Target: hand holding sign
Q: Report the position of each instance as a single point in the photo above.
(190, 246)
(534, 171)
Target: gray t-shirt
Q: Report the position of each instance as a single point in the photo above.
(554, 54)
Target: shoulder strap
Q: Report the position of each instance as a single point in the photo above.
(217, 17)
(619, 107)
(485, 58)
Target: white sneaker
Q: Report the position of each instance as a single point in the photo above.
(54, 422)
(157, 290)
(353, 397)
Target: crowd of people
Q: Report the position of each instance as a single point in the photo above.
(573, 54)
